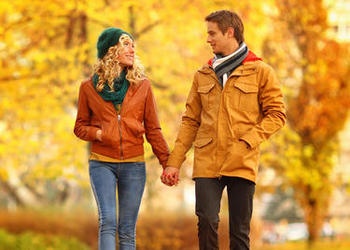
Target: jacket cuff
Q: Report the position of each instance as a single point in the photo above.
(175, 161)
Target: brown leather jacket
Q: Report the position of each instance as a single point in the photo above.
(226, 126)
(122, 134)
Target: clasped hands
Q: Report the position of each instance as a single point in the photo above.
(170, 176)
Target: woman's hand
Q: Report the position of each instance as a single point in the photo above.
(99, 135)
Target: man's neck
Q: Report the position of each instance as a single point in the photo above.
(231, 49)
(221, 55)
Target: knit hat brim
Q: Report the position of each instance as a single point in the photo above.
(108, 38)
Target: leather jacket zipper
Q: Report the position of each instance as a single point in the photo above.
(120, 135)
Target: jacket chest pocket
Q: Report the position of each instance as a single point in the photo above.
(209, 95)
(245, 97)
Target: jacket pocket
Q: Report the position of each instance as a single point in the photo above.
(199, 143)
(133, 127)
(241, 159)
(207, 94)
(111, 132)
(247, 97)
(203, 154)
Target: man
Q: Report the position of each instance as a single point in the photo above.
(235, 104)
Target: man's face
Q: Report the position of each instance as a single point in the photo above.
(220, 43)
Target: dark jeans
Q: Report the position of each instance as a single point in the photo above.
(240, 194)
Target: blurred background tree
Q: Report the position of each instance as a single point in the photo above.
(44, 50)
(317, 69)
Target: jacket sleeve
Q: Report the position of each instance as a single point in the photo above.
(188, 128)
(82, 127)
(153, 130)
(272, 108)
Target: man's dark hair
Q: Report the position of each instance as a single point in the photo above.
(226, 19)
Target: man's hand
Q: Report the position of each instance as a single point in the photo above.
(170, 176)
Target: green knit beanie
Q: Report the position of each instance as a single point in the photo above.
(108, 38)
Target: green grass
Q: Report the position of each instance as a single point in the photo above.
(34, 241)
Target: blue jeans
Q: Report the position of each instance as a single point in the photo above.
(129, 179)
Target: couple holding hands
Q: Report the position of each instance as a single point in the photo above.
(235, 103)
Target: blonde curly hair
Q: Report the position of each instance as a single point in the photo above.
(108, 68)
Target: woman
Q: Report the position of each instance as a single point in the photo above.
(116, 108)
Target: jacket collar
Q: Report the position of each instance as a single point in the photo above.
(246, 68)
(251, 57)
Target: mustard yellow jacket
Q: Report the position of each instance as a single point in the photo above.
(221, 122)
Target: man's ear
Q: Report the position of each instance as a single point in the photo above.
(230, 32)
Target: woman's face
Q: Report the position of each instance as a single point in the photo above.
(126, 51)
